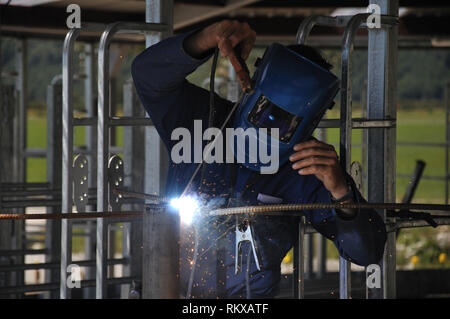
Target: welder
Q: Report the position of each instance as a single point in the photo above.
(290, 91)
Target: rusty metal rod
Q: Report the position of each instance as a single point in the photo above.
(74, 215)
(131, 194)
(272, 209)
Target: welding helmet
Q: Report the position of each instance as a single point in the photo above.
(290, 93)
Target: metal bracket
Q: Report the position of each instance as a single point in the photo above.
(356, 173)
(243, 234)
(115, 180)
(80, 182)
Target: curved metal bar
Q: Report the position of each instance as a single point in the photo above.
(308, 24)
(67, 147)
(103, 125)
(351, 24)
(345, 135)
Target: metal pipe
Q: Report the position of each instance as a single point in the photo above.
(358, 123)
(308, 24)
(447, 138)
(299, 262)
(30, 203)
(56, 265)
(103, 136)
(414, 182)
(160, 277)
(19, 252)
(381, 103)
(67, 147)
(21, 193)
(52, 286)
(24, 185)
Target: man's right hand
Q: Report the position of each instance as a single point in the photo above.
(226, 35)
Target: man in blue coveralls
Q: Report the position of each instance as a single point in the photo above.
(312, 174)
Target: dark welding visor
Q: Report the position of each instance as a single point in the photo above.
(266, 114)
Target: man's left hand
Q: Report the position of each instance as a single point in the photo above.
(320, 159)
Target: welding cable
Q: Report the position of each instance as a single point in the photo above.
(210, 124)
(247, 274)
(211, 145)
(208, 147)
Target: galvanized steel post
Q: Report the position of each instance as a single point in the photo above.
(381, 159)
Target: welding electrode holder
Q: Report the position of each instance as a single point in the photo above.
(242, 71)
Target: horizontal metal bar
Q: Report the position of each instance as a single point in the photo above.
(342, 21)
(19, 252)
(84, 151)
(56, 265)
(417, 223)
(36, 192)
(30, 203)
(338, 21)
(433, 178)
(35, 152)
(423, 144)
(132, 27)
(114, 121)
(55, 286)
(80, 215)
(84, 121)
(358, 123)
(309, 229)
(130, 121)
(24, 185)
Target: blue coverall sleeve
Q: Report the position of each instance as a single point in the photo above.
(360, 239)
(159, 74)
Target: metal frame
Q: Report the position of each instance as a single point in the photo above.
(346, 123)
(380, 118)
(103, 125)
(68, 123)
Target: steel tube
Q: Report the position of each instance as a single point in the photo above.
(160, 277)
(103, 137)
(19, 252)
(24, 185)
(22, 193)
(30, 203)
(52, 286)
(56, 265)
(381, 162)
(308, 24)
(346, 129)
(447, 137)
(358, 123)
(67, 146)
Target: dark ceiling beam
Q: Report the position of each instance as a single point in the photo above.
(55, 17)
(347, 3)
(51, 22)
(185, 15)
